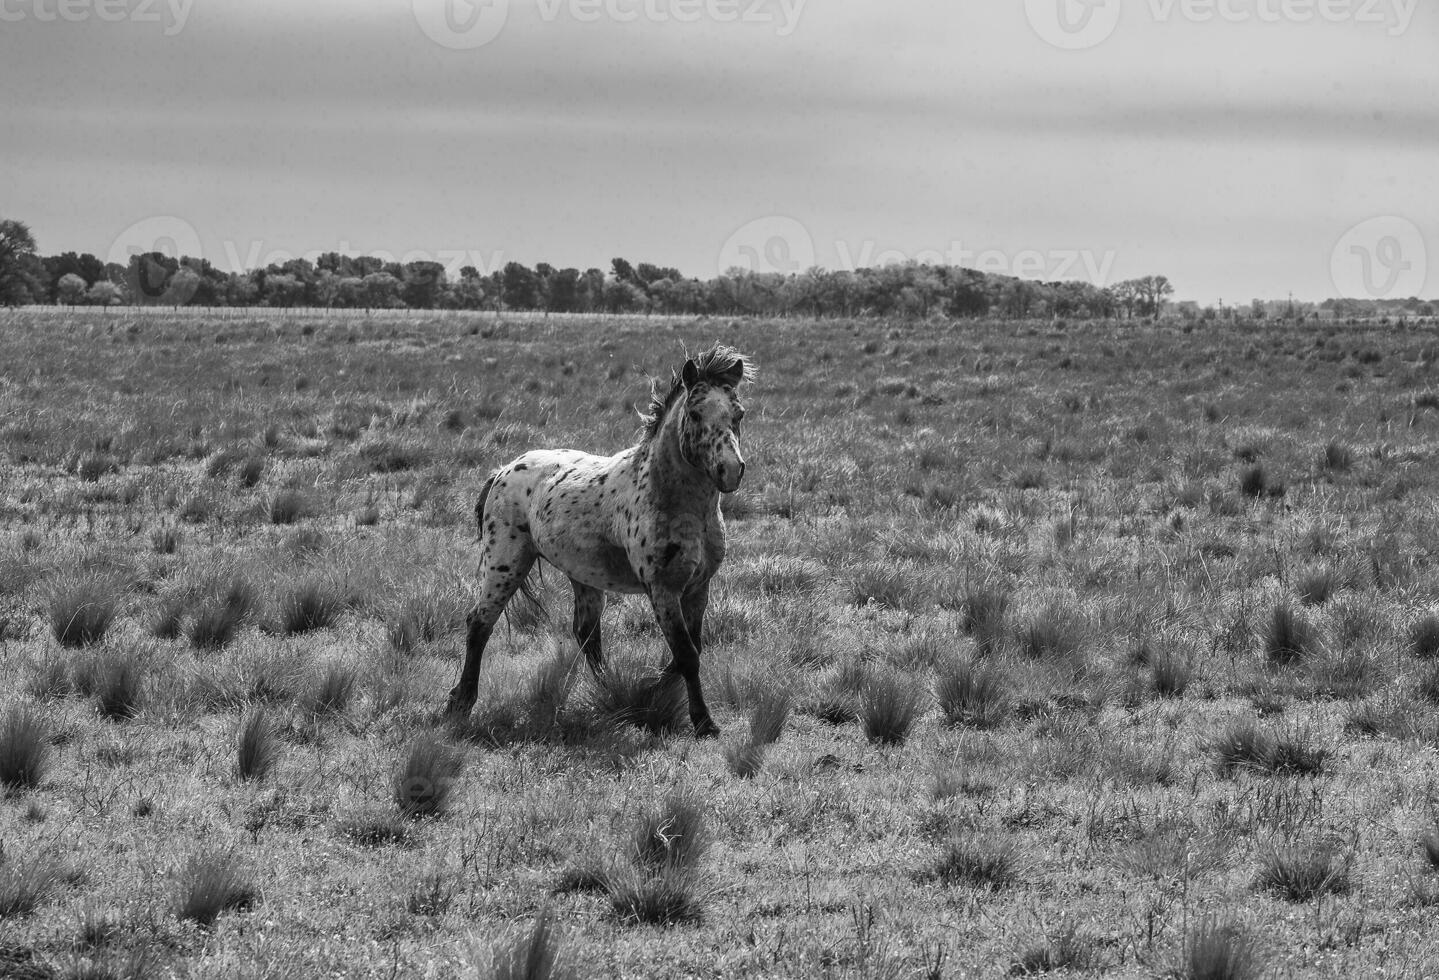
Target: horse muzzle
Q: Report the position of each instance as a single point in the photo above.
(730, 475)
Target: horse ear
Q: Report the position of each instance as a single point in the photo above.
(735, 374)
(690, 374)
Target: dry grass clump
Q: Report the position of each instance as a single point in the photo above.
(745, 757)
(888, 708)
(1064, 950)
(535, 954)
(978, 862)
(1219, 949)
(1288, 636)
(119, 685)
(983, 614)
(630, 694)
(426, 777)
(222, 613)
(1300, 873)
(26, 883)
(1244, 745)
(257, 745)
(24, 747)
(1424, 637)
(309, 605)
(659, 883)
(288, 506)
(211, 882)
(971, 694)
(331, 690)
(1053, 633)
(81, 608)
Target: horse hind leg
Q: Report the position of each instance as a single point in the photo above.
(502, 572)
(589, 605)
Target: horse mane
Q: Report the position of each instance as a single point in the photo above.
(715, 367)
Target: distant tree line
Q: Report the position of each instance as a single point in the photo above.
(337, 281)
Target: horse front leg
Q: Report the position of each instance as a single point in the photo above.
(501, 574)
(682, 638)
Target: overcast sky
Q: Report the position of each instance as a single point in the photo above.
(1096, 139)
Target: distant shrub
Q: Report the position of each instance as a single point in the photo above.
(24, 747)
(81, 608)
(888, 708)
(257, 745)
(209, 883)
(1300, 873)
(971, 694)
(426, 777)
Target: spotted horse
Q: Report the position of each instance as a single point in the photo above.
(646, 520)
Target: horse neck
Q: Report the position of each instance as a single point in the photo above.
(676, 482)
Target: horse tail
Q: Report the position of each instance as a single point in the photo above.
(480, 506)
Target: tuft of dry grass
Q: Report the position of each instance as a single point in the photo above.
(628, 694)
(120, 685)
(537, 953)
(1300, 873)
(665, 897)
(331, 690)
(222, 614)
(1219, 949)
(24, 747)
(1424, 637)
(1288, 636)
(26, 884)
(971, 694)
(426, 777)
(977, 862)
(211, 882)
(307, 606)
(889, 706)
(257, 745)
(81, 609)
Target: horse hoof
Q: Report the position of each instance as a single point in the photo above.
(707, 729)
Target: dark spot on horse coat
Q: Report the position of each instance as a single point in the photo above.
(521, 467)
(672, 550)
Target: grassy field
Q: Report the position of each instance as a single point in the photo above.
(1108, 648)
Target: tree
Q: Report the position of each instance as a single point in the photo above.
(284, 290)
(70, 290)
(381, 290)
(424, 281)
(519, 287)
(103, 293)
(1153, 291)
(17, 246)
